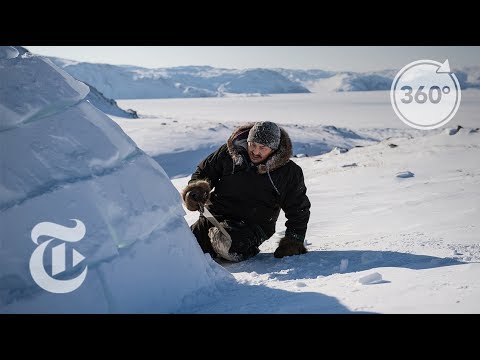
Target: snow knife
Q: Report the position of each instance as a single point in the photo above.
(205, 212)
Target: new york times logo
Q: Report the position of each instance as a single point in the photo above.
(58, 256)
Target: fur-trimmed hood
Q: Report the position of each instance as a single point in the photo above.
(277, 159)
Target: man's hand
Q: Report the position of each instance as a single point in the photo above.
(288, 247)
(194, 193)
(194, 197)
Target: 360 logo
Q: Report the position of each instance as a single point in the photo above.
(426, 94)
(37, 267)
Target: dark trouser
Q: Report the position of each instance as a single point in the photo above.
(200, 230)
(245, 240)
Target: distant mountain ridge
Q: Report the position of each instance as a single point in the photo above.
(468, 77)
(134, 82)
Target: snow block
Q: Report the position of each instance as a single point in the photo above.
(373, 278)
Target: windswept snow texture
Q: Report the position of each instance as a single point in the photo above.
(61, 159)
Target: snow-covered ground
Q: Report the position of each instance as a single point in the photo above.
(421, 234)
(377, 242)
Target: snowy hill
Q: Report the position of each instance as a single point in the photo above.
(469, 77)
(131, 82)
(305, 76)
(262, 81)
(365, 82)
(256, 81)
(382, 80)
(342, 81)
(79, 200)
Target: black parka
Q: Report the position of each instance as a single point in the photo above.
(256, 193)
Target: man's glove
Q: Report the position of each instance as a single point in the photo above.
(288, 247)
(196, 192)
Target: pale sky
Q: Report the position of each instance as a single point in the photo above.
(347, 58)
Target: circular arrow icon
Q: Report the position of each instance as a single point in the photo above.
(425, 94)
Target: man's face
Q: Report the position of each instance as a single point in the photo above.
(258, 152)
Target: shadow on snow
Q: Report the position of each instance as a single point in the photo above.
(250, 298)
(260, 299)
(324, 263)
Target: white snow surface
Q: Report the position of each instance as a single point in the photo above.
(62, 159)
(420, 234)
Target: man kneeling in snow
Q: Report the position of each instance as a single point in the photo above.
(252, 178)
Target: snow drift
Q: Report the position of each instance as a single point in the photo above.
(63, 159)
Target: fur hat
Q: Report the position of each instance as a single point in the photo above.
(266, 133)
